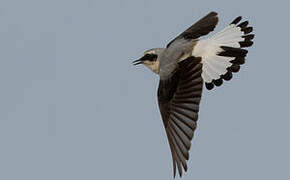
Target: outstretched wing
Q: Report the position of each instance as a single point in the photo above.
(178, 99)
(200, 28)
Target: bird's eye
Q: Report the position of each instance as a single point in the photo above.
(150, 57)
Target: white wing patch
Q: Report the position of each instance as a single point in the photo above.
(208, 49)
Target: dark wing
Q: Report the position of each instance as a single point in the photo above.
(178, 99)
(200, 28)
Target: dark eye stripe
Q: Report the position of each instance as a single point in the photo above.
(150, 57)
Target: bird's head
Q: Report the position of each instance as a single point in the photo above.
(150, 59)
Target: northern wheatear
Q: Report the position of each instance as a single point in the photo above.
(184, 65)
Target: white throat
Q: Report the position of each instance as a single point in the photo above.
(154, 66)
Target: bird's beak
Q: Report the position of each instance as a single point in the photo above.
(138, 61)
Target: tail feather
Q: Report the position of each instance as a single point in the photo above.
(232, 52)
(237, 20)
(243, 24)
(232, 32)
(223, 53)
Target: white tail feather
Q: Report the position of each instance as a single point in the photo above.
(208, 49)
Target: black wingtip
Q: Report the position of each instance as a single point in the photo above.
(180, 174)
(174, 168)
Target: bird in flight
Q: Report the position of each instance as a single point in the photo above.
(184, 65)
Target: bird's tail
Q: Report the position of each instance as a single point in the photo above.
(225, 52)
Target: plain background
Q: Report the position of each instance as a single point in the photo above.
(73, 107)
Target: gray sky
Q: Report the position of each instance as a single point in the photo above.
(73, 107)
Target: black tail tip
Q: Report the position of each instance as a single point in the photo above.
(237, 20)
(209, 86)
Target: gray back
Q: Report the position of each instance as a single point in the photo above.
(171, 55)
